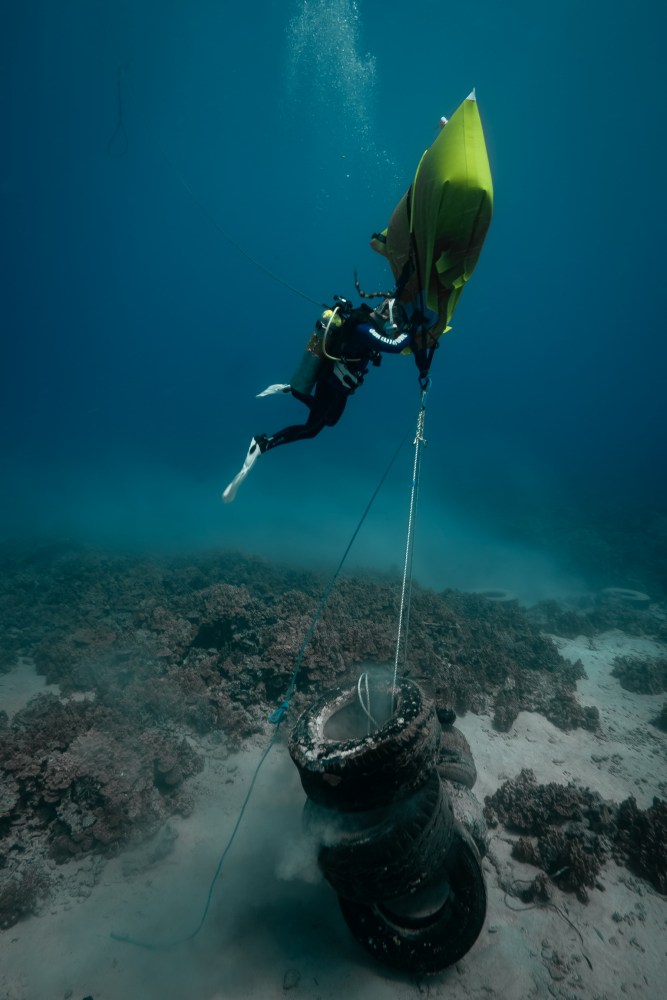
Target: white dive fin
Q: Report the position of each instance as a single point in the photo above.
(253, 454)
(273, 389)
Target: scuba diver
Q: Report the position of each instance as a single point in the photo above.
(336, 360)
(431, 243)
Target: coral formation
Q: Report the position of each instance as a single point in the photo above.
(641, 840)
(21, 891)
(575, 831)
(485, 655)
(641, 674)
(182, 642)
(149, 654)
(661, 718)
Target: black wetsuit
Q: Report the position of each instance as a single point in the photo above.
(357, 343)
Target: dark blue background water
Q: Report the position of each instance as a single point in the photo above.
(135, 336)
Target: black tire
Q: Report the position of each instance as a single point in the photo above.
(416, 934)
(455, 760)
(342, 769)
(387, 852)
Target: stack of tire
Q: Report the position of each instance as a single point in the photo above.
(386, 786)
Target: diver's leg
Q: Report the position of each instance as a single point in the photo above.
(296, 432)
(303, 397)
(257, 446)
(281, 387)
(263, 442)
(326, 409)
(335, 405)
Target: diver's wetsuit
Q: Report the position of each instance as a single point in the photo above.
(339, 379)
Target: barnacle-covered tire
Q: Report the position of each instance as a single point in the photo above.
(386, 852)
(455, 760)
(342, 769)
(433, 928)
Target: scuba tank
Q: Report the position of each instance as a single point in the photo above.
(314, 358)
(310, 366)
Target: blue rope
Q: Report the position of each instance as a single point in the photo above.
(276, 718)
(167, 946)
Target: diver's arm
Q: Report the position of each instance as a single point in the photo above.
(367, 338)
(422, 355)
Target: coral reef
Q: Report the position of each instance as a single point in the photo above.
(182, 642)
(487, 656)
(573, 858)
(22, 888)
(641, 840)
(641, 674)
(575, 831)
(660, 721)
(591, 614)
(149, 654)
(75, 778)
(523, 805)
(560, 618)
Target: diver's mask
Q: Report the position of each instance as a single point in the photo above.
(392, 315)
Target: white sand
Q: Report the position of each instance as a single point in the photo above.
(272, 932)
(18, 686)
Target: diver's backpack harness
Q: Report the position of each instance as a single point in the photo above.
(336, 325)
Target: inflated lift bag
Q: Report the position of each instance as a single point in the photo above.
(441, 222)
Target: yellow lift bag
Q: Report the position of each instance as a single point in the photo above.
(436, 232)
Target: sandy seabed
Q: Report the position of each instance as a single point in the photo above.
(274, 927)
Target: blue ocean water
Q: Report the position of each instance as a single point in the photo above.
(136, 334)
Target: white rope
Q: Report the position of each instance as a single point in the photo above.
(418, 442)
(366, 707)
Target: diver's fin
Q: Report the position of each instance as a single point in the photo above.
(271, 390)
(254, 451)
